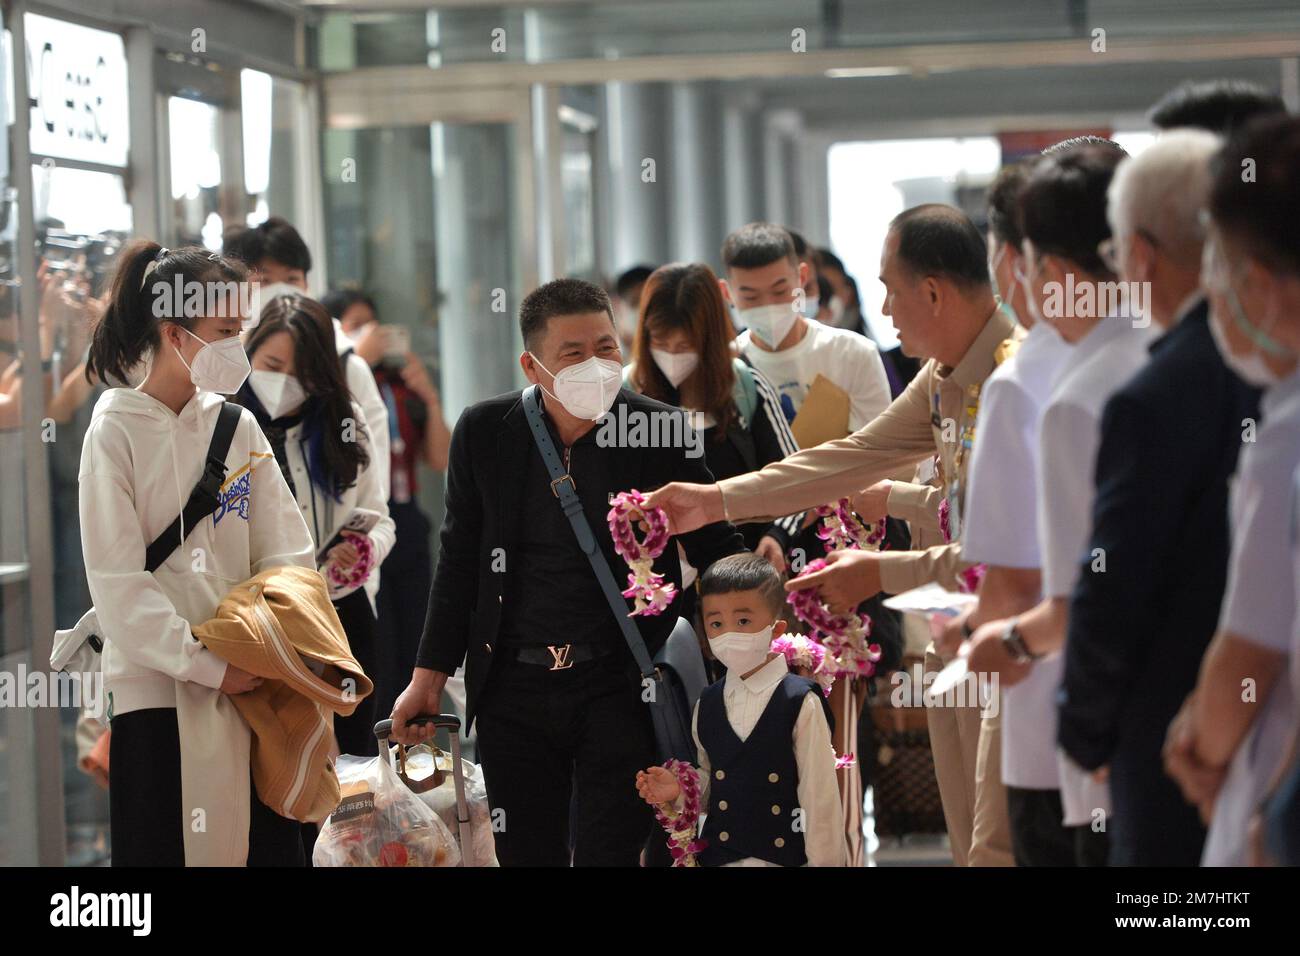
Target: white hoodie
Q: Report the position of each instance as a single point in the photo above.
(139, 463)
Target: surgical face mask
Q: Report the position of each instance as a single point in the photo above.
(1250, 368)
(740, 653)
(811, 306)
(771, 323)
(278, 392)
(587, 389)
(837, 310)
(676, 366)
(219, 366)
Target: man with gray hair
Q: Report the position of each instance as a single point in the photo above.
(1140, 621)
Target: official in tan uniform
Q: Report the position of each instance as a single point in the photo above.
(935, 270)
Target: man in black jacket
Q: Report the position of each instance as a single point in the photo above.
(1140, 621)
(549, 678)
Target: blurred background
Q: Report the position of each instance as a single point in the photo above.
(446, 157)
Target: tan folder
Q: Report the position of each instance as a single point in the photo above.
(824, 414)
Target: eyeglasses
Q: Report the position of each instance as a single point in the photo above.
(1108, 249)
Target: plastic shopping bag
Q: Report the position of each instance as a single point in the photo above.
(379, 822)
(424, 761)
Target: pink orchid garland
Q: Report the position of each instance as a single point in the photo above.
(340, 578)
(968, 579)
(841, 528)
(652, 596)
(683, 842)
(843, 637)
(799, 651)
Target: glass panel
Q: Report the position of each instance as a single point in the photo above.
(576, 174)
(194, 131)
(272, 113)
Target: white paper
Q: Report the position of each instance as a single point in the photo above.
(931, 599)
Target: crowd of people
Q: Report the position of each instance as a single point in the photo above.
(1090, 429)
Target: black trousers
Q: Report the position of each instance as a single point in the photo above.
(405, 578)
(356, 732)
(146, 817)
(1038, 838)
(542, 735)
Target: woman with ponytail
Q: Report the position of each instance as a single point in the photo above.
(300, 397)
(171, 331)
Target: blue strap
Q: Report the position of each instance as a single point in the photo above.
(563, 487)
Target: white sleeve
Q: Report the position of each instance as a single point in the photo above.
(819, 791)
(365, 393)
(870, 394)
(133, 611)
(277, 533)
(1068, 439)
(1000, 520)
(371, 495)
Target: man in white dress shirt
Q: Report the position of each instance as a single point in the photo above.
(1054, 820)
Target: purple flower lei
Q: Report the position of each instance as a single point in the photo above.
(968, 579)
(683, 842)
(841, 528)
(652, 596)
(340, 578)
(843, 637)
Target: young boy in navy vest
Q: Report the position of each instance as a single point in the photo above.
(767, 767)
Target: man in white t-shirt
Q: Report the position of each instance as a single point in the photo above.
(1062, 214)
(765, 284)
(1227, 742)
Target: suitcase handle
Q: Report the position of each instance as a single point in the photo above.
(384, 729)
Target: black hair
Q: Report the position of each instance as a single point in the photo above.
(828, 258)
(756, 245)
(1062, 207)
(1219, 106)
(631, 278)
(334, 462)
(824, 290)
(275, 239)
(560, 297)
(803, 250)
(1261, 212)
(745, 571)
(1002, 197)
(939, 240)
(1086, 140)
(129, 327)
(338, 301)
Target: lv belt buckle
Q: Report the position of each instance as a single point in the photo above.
(561, 655)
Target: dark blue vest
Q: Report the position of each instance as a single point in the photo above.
(754, 791)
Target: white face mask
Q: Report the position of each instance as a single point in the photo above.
(740, 653)
(676, 366)
(219, 367)
(811, 306)
(771, 323)
(278, 392)
(264, 292)
(1250, 368)
(587, 389)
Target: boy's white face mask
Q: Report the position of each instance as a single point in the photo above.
(741, 652)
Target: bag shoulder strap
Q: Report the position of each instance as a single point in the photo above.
(745, 392)
(563, 488)
(206, 494)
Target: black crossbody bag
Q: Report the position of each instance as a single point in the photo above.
(669, 696)
(202, 502)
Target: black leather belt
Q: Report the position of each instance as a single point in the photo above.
(560, 657)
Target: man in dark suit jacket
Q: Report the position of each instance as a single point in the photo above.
(549, 677)
(1139, 628)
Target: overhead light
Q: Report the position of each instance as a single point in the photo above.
(842, 72)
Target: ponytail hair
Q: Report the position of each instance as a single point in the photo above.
(128, 329)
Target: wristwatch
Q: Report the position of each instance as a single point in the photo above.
(1015, 643)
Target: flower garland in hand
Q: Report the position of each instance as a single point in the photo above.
(683, 842)
(968, 579)
(340, 578)
(841, 528)
(842, 637)
(652, 596)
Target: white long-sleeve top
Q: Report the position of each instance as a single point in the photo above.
(745, 700)
(139, 462)
(325, 516)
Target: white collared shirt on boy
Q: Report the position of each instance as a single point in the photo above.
(1001, 529)
(1259, 606)
(745, 699)
(1069, 435)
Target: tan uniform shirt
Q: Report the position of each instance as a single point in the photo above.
(907, 432)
